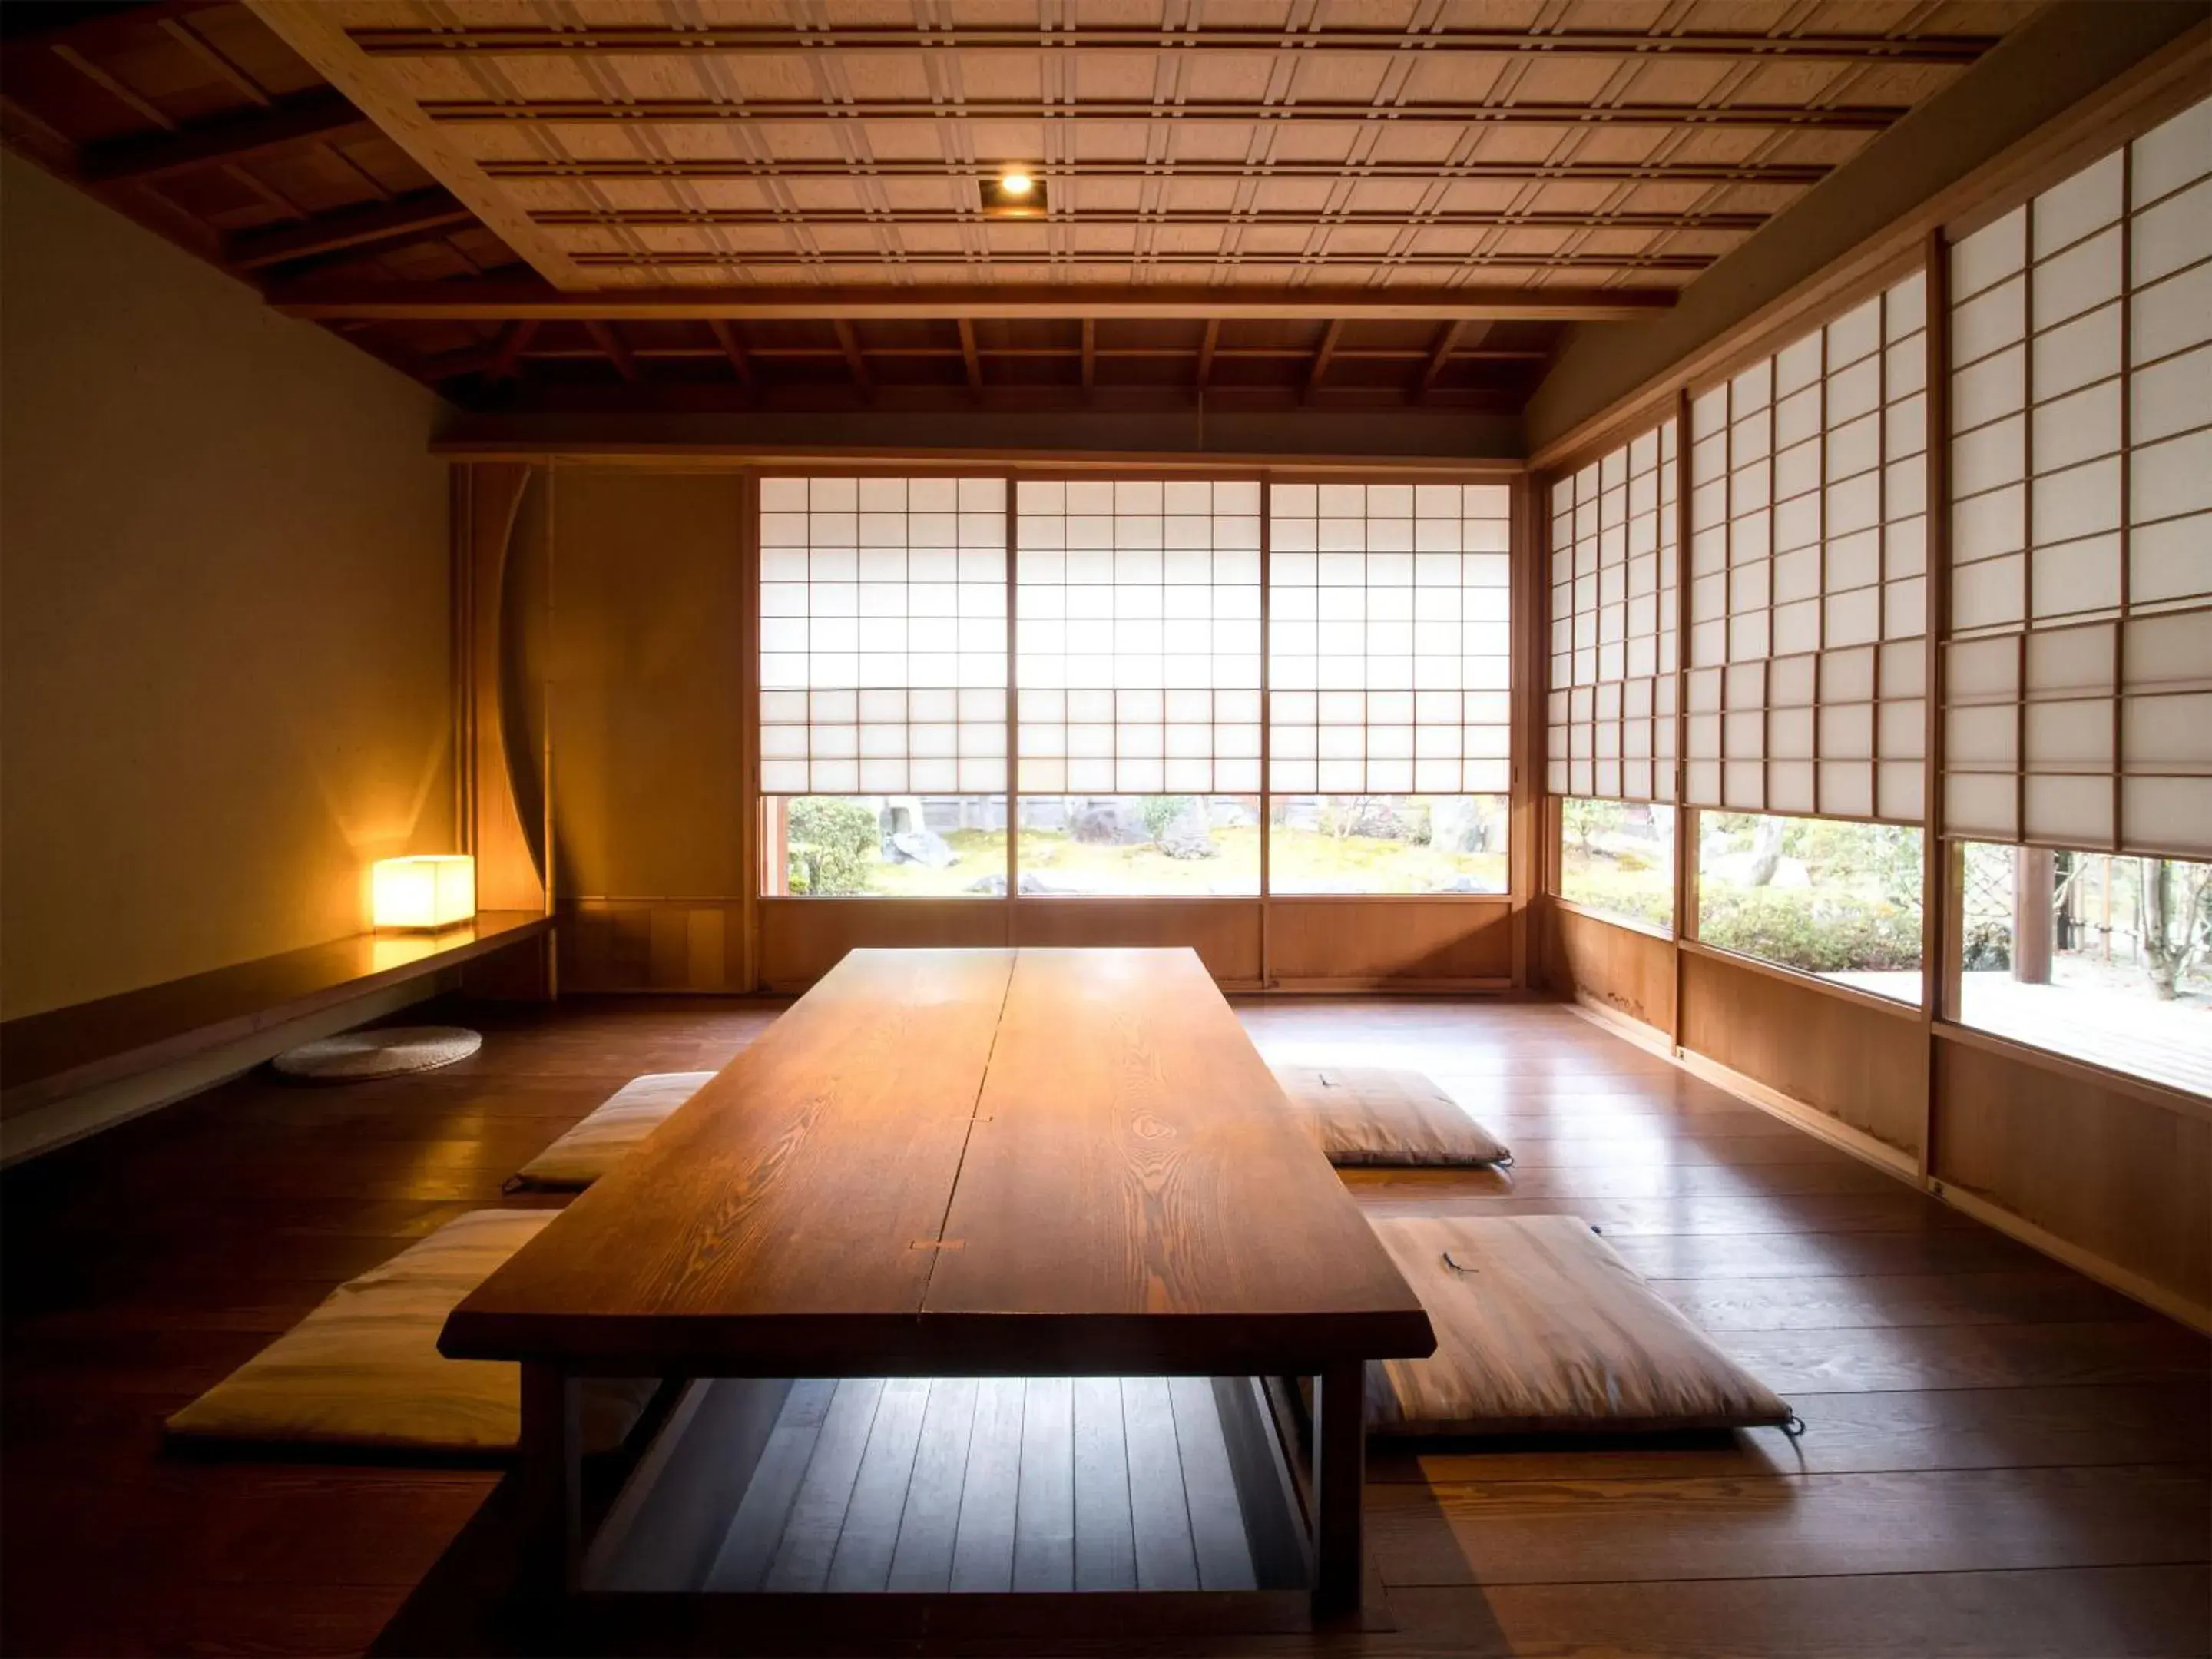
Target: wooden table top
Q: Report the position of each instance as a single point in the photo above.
(947, 1162)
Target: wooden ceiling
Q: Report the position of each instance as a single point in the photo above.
(705, 204)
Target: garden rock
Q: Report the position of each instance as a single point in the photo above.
(1186, 836)
(922, 847)
(1104, 826)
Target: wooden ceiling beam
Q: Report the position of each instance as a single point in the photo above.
(738, 40)
(1531, 172)
(1787, 118)
(222, 141)
(1198, 218)
(1089, 352)
(1439, 354)
(725, 337)
(313, 30)
(495, 300)
(850, 341)
(1208, 344)
(616, 350)
(969, 356)
(507, 360)
(361, 229)
(1321, 356)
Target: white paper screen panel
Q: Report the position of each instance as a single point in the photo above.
(1614, 563)
(2079, 674)
(1808, 560)
(1137, 639)
(883, 635)
(1389, 639)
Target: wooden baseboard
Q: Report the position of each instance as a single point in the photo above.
(2195, 1315)
(1902, 1165)
(1811, 1119)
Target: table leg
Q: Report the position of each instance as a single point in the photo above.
(1339, 1476)
(551, 1481)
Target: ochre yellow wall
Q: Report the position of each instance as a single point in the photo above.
(224, 680)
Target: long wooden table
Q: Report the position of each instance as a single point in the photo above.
(968, 1163)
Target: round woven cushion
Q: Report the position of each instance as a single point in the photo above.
(387, 1051)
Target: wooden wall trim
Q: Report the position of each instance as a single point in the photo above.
(1820, 1124)
(2195, 1315)
(2083, 1072)
(1872, 1002)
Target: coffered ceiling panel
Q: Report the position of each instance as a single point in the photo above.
(1418, 192)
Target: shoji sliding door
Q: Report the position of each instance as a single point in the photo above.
(1614, 656)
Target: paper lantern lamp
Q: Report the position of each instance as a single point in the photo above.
(436, 890)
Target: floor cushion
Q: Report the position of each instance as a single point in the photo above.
(1374, 1115)
(612, 1132)
(1542, 1327)
(363, 1370)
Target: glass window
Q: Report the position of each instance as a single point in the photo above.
(1387, 844)
(2106, 959)
(1140, 844)
(884, 846)
(1619, 857)
(1822, 895)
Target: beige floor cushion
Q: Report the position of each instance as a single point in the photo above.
(1373, 1114)
(612, 1132)
(363, 1370)
(1541, 1328)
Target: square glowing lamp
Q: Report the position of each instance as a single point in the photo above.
(431, 891)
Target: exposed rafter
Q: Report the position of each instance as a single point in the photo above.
(313, 30)
(610, 341)
(1448, 337)
(691, 167)
(492, 301)
(225, 140)
(725, 337)
(1207, 346)
(970, 360)
(1318, 41)
(363, 229)
(1774, 117)
(849, 342)
(506, 360)
(1323, 353)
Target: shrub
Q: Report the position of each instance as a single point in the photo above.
(1161, 811)
(1827, 935)
(831, 846)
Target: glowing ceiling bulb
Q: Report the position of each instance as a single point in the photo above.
(1015, 182)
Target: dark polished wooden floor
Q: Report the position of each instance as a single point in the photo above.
(2002, 1458)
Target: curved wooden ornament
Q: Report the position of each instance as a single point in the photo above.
(509, 873)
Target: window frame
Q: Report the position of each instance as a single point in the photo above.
(1523, 797)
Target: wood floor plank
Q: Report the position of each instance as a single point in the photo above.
(1217, 1519)
(983, 1548)
(1159, 1513)
(870, 1535)
(2030, 1297)
(1858, 1433)
(930, 1520)
(1962, 1444)
(1961, 1357)
(756, 1529)
(1044, 1513)
(1948, 1521)
(1105, 1544)
(2113, 1612)
(802, 1558)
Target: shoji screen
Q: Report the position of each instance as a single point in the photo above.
(2079, 678)
(1389, 639)
(1807, 584)
(883, 647)
(1137, 647)
(1611, 697)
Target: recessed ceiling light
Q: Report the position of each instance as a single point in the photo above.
(1015, 193)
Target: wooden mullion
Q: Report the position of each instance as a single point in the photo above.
(1686, 816)
(1012, 779)
(1940, 862)
(750, 827)
(2119, 839)
(1266, 708)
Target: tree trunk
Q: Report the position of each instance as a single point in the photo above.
(2161, 953)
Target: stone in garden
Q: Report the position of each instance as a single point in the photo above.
(1186, 836)
(922, 847)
